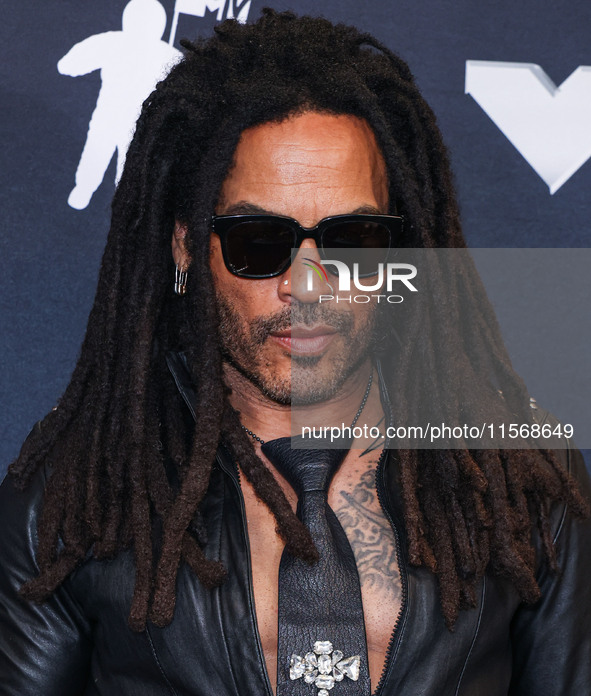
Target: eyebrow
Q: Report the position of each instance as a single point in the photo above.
(245, 208)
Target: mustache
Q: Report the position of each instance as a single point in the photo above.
(299, 313)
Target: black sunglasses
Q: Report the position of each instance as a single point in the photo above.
(260, 246)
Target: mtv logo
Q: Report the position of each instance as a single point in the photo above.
(197, 8)
(550, 126)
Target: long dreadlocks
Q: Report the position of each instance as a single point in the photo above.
(120, 421)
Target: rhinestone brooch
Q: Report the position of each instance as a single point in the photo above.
(324, 667)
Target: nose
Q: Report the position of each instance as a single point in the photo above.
(305, 280)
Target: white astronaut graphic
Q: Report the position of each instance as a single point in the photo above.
(131, 62)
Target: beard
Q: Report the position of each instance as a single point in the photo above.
(311, 379)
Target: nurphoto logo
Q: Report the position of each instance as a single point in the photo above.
(382, 277)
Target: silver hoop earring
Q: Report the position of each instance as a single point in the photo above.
(180, 281)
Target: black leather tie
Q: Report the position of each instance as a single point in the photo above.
(321, 633)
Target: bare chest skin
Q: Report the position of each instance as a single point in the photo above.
(353, 498)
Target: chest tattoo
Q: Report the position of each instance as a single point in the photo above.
(371, 537)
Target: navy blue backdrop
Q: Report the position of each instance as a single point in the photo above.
(50, 252)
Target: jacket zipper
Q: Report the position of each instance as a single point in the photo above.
(234, 474)
(401, 568)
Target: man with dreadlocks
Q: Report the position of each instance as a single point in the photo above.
(142, 522)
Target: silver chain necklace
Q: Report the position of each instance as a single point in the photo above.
(359, 410)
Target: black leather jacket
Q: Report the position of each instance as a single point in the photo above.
(78, 641)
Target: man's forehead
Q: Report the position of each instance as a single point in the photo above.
(313, 130)
(331, 161)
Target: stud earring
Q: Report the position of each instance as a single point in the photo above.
(286, 282)
(180, 281)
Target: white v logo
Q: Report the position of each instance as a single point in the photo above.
(549, 125)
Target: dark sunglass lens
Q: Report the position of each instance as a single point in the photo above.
(370, 239)
(357, 235)
(258, 248)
